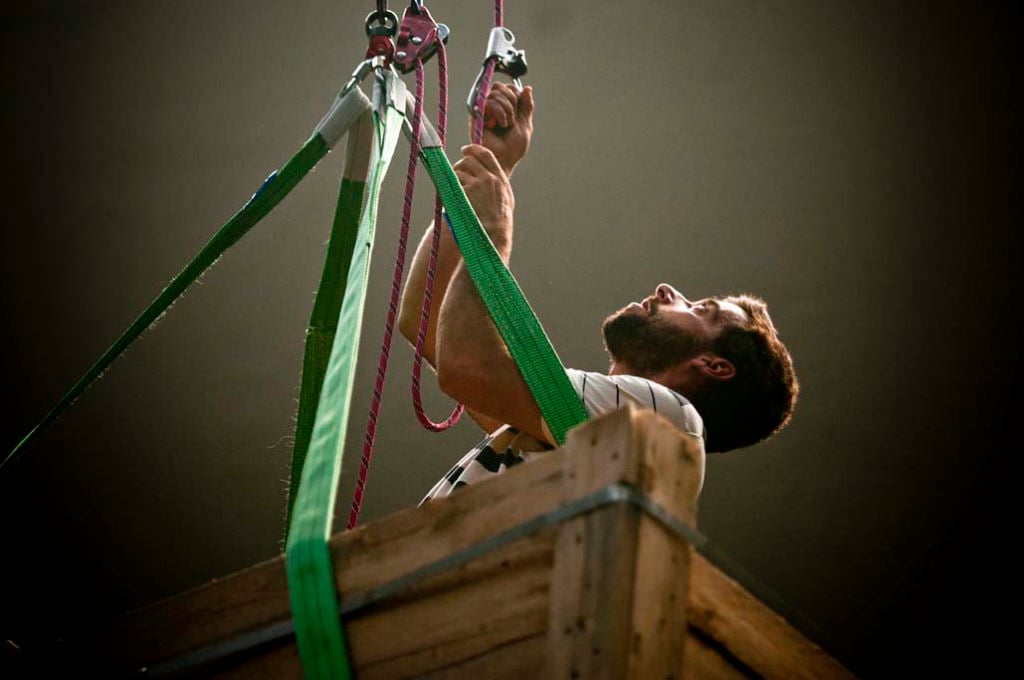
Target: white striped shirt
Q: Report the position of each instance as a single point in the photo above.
(507, 447)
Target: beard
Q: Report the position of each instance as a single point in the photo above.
(647, 344)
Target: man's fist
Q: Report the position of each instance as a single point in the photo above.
(508, 124)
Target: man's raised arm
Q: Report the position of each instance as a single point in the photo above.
(512, 115)
(473, 364)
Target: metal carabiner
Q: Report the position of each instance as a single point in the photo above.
(333, 125)
(381, 29)
(357, 77)
(388, 89)
(507, 60)
(417, 37)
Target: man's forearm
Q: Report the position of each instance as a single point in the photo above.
(468, 341)
(412, 295)
(474, 364)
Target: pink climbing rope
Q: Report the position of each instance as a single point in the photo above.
(389, 325)
(485, 83)
(396, 287)
(428, 289)
(403, 239)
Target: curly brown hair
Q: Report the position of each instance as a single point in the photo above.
(758, 401)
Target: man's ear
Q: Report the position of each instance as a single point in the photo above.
(695, 373)
(715, 367)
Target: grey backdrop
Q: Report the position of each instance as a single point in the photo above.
(848, 161)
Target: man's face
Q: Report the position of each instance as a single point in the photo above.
(650, 336)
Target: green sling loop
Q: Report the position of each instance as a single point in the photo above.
(323, 321)
(347, 107)
(525, 338)
(314, 598)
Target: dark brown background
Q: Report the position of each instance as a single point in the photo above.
(848, 161)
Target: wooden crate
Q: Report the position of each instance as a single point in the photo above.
(610, 593)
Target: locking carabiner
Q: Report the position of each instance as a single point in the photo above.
(381, 28)
(507, 59)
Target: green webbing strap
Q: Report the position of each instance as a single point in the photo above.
(525, 338)
(274, 189)
(348, 106)
(323, 322)
(308, 560)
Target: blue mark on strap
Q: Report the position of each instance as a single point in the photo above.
(263, 187)
(448, 221)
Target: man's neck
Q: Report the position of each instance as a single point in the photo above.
(618, 369)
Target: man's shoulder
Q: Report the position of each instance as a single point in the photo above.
(603, 393)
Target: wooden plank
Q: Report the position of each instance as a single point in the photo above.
(728, 614)
(704, 662)
(567, 611)
(513, 661)
(670, 471)
(576, 603)
(239, 603)
(521, 659)
(456, 619)
(589, 632)
(493, 601)
(660, 597)
(386, 549)
(258, 596)
(619, 588)
(278, 662)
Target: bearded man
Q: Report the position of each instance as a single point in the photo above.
(714, 367)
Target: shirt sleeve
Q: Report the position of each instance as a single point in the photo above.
(605, 393)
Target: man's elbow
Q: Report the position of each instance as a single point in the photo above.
(408, 323)
(458, 379)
